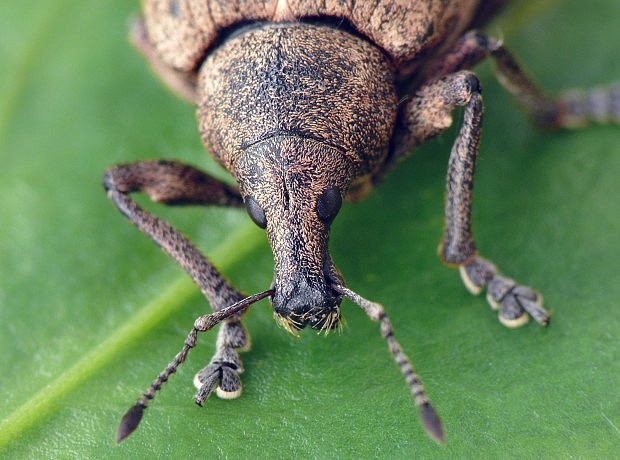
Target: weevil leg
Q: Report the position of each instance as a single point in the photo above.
(175, 183)
(182, 84)
(428, 113)
(570, 109)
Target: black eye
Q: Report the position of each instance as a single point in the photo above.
(328, 204)
(256, 212)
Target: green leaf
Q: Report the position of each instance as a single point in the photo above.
(90, 310)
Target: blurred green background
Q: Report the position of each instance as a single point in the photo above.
(90, 310)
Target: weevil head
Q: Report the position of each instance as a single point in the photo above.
(297, 122)
(293, 187)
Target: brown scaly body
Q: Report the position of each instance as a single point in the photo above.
(183, 31)
(306, 103)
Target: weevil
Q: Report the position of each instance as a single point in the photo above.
(307, 104)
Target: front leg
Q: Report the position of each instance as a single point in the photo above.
(428, 113)
(175, 183)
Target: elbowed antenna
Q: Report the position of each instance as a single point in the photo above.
(133, 416)
(430, 419)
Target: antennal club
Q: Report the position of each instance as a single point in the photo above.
(133, 416)
(430, 419)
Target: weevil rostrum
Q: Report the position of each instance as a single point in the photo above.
(307, 104)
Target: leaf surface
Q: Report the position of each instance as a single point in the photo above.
(90, 310)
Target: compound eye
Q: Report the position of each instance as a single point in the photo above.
(328, 204)
(256, 212)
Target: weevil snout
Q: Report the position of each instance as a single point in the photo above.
(293, 188)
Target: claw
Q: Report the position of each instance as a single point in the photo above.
(535, 309)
